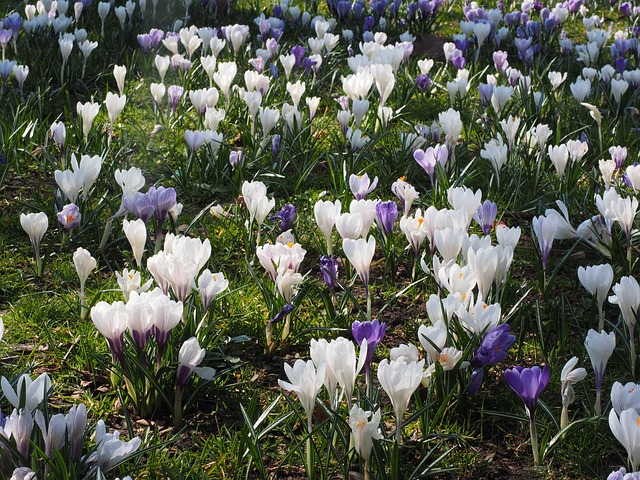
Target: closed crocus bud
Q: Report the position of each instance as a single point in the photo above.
(103, 11)
(597, 280)
(545, 230)
(190, 356)
(59, 133)
(119, 73)
(360, 253)
(136, 233)
(386, 214)
(600, 347)
(85, 264)
(325, 213)
(21, 72)
(88, 112)
(36, 225)
(115, 104)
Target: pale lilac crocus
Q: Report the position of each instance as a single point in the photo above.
(361, 185)
(486, 215)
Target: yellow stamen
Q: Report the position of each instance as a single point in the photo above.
(290, 244)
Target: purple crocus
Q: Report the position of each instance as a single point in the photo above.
(329, 269)
(145, 41)
(429, 158)
(373, 332)
(286, 215)
(298, 52)
(486, 215)
(486, 91)
(275, 148)
(70, 217)
(458, 60)
(162, 200)
(156, 37)
(139, 204)
(492, 350)
(282, 314)
(386, 213)
(529, 383)
(423, 82)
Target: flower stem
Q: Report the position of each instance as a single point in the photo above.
(564, 417)
(310, 473)
(534, 438)
(177, 407)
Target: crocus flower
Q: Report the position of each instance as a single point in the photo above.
(406, 193)
(625, 396)
(597, 280)
(486, 215)
(399, 380)
(600, 347)
(329, 269)
(372, 332)
(111, 322)
(626, 429)
(189, 357)
(58, 133)
(529, 383)
(139, 204)
(136, 233)
(85, 264)
(492, 350)
(386, 214)
(175, 93)
(361, 185)
(34, 392)
(306, 381)
(286, 216)
(36, 225)
(210, 285)
(111, 450)
(88, 112)
(364, 431)
(70, 216)
(360, 253)
(162, 199)
(342, 361)
(569, 376)
(545, 229)
(627, 297)
(256, 200)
